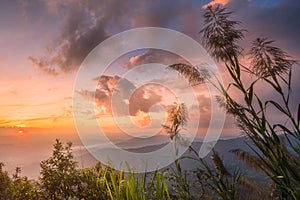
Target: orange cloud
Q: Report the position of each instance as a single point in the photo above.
(141, 119)
(128, 99)
(216, 2)
(153, 56)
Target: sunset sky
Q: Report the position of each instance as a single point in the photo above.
(43, 43)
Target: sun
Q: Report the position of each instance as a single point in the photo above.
(20, 131)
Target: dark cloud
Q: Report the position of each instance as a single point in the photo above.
(43, 65)
(81, 31)
(85, 24)
(279, 22)
(159, 13)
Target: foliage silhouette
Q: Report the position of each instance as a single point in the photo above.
(271, 65)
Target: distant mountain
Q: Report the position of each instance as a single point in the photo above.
(30, 162)
(223, 147)
(140, 143)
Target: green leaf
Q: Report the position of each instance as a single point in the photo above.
(158, 188)
(277, 106)
(250, 93)
(285, 129)
(263, 123)
(238, 70)
(259, 102)
(108, 188)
